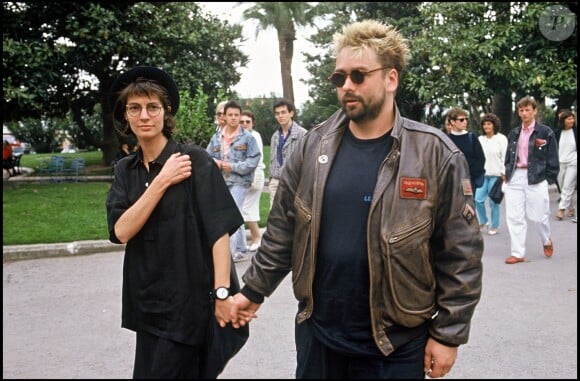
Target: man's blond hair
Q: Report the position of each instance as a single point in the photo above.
(391, 47)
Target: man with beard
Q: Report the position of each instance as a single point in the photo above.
(375, 218)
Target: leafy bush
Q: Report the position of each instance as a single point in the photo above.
(193, 123)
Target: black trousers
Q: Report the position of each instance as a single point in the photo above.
(156, 357)
(316, 361)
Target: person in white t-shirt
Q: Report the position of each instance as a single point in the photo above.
(494, 146)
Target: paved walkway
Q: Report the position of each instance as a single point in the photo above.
(61, 318)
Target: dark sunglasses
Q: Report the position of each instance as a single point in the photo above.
(461, 119)
(356, 76)
(245, 121)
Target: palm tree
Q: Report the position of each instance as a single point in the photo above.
(284, 17)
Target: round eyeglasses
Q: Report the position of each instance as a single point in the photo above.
(135, 109)
(356, 76)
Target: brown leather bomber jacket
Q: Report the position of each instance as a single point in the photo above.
(424, 243)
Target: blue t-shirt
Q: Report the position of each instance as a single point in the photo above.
(341, 317)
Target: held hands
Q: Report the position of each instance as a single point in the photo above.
(242, 311)
(224, 312)
(176, 169)
(439, 358)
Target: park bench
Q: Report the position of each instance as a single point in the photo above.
(75, 169)
(53, 168)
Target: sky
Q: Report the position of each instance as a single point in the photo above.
(262, 74)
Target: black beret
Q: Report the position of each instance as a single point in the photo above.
(147, 72)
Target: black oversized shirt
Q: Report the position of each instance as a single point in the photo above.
(168, 265)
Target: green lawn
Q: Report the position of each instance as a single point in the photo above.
(55, 212)
(64, 212)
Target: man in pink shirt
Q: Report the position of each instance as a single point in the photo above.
(531, 164)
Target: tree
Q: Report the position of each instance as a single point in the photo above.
(61, 58)
(481, 56)
(284, 17)
(484, 56)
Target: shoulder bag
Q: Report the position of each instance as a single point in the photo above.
(222, 343)
(495, 193)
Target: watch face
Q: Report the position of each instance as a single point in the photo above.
(222, 293)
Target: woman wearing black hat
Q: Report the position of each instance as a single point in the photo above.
(170, 205)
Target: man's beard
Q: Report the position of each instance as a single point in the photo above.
(366, 112)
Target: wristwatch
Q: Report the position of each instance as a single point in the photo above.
(221, 293)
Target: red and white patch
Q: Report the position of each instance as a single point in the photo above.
(413, 188)
(466, 185)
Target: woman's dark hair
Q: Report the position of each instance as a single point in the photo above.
(249, 114)
(564, 114)
(493, 119)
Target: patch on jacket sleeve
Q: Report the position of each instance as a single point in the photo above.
(466, 185)
(468, 213)
(413, 188)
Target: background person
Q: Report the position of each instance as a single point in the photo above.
(494, 145)
(251, 207)
(386, 268)
(567, 156)
(283, 141)
(236, 153)
(7, 157)
(468, 143)
(176, 226)
(220, 119)
(531, 163)
(123, 151)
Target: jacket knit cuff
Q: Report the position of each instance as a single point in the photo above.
(254, 296)
(444, 343)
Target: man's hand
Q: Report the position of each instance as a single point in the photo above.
(242, 311)
(439, 358)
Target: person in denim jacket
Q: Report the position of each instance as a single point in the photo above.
(236, 153)
(531, 164)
